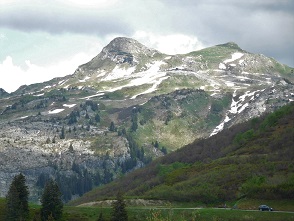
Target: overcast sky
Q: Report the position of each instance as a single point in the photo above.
(42, 39)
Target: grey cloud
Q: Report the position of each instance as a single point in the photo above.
(258, 26)
(54, 22)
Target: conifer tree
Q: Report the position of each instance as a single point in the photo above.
(97, 118)
(62, 135)
(12, 204)
(17, 207)
(119, 212)
(51, 202)
(112, 127)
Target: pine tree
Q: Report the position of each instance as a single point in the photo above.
(97, 118)
(62, 135)
(17, 207)
(112, 127)
(119, 212)
(12, 204)
(51, 201)
(71, 148)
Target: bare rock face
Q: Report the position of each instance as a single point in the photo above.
(120, 50)
(129, 46)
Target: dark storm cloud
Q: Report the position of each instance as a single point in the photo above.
(258, 26)
(59, 22)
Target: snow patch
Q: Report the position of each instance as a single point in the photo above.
(222, 66)
(69, 105)
(85, 79)
(220, 127)
(62, 82)
(152, 75)
(118, 72)
(101, 74)
(95, 95)
(38, 95)
(230, 84)
(56, 111)
(153, 88)
(235, 56)
(243, 108)
(237, 106)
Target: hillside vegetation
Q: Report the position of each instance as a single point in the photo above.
(252, 160)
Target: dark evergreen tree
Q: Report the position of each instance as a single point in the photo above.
(48, 140)
(17, 199)
(97, 118)
(134, 126)
(119, 212)
(164, 150)
(124, 132)
(51, 201)
(112, 127)
(62, 135)
(12, 204)
(71, 148)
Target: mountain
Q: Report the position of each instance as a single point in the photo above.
(252, 160)
(3, 92)
(128, 105)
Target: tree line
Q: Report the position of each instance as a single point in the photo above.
(17, 205)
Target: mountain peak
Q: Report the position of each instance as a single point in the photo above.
(3, 92)
(120, 50)
(231, 45)
(123, 45)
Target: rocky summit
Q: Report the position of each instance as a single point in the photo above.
(128, 105)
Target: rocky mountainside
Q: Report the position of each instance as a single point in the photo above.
(251, 160)
(128, 105)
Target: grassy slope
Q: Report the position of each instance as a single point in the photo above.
(176, 118)
(253, 160)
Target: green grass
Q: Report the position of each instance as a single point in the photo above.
(216, 54)
(175, 214)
